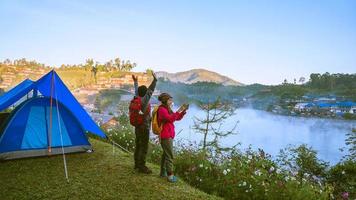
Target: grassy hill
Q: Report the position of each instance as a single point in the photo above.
(98, 175)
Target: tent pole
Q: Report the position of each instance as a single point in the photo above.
(60, 133)
(50, 117)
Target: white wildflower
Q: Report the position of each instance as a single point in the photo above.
(201, 165)
(224, 172)
(244, 183)
(278, 171)
(228, 170)
(294, 173)
(271, 169)
(343, 172)
(258, 173)
(286, 178)
(249, 157)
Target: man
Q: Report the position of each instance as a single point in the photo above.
(142, 131)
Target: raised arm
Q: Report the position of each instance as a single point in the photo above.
(134, 78)
(181, 115)
(150, 90)
(165, 116)
(136, 88)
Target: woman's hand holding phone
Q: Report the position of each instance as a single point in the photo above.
(183, 108)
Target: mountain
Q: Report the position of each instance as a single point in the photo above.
(198, 75)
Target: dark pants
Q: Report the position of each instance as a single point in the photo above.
(142, 136)
(167, 156)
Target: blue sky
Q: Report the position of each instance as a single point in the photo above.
(249, 41)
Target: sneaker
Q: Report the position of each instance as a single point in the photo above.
(145, 170)
(172, 179)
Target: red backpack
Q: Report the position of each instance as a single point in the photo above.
(136, 116)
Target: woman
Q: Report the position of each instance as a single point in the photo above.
(167, 117)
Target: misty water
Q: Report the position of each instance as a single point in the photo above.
(271, 132)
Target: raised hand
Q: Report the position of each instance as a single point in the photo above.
(154, 75)
(135, 78)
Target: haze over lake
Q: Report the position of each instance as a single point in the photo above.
(273, 132)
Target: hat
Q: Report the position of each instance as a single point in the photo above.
(164, 97)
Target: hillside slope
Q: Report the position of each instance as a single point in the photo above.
(198, 75)
(98, 175)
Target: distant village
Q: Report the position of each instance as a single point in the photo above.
(321, 106)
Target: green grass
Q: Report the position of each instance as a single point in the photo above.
(98, 175)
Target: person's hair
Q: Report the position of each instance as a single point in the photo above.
(163, 98)
(142, 90)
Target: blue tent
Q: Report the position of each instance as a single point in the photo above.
(50, 123)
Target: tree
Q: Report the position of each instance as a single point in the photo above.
(94, 70)
(89, 63)
(314, 80)
(301, 80)
(117, 63)
(351, 143)
(109, 65)
(210, 125)
(7, 61)
(149, 71)
(122, 66)
(285, 82)
(295, 81)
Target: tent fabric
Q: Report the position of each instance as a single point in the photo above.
(27, 132)
(15, 94)
(59, 92)
(64, 95)
(43, 152)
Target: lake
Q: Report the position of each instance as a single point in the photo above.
(271, 132)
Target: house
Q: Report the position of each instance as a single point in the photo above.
(303, 107)
(338, 107)
(325, 99)
(346, 106)
(352, 110)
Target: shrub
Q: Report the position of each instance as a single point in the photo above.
(243, 175)
(343, 179)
